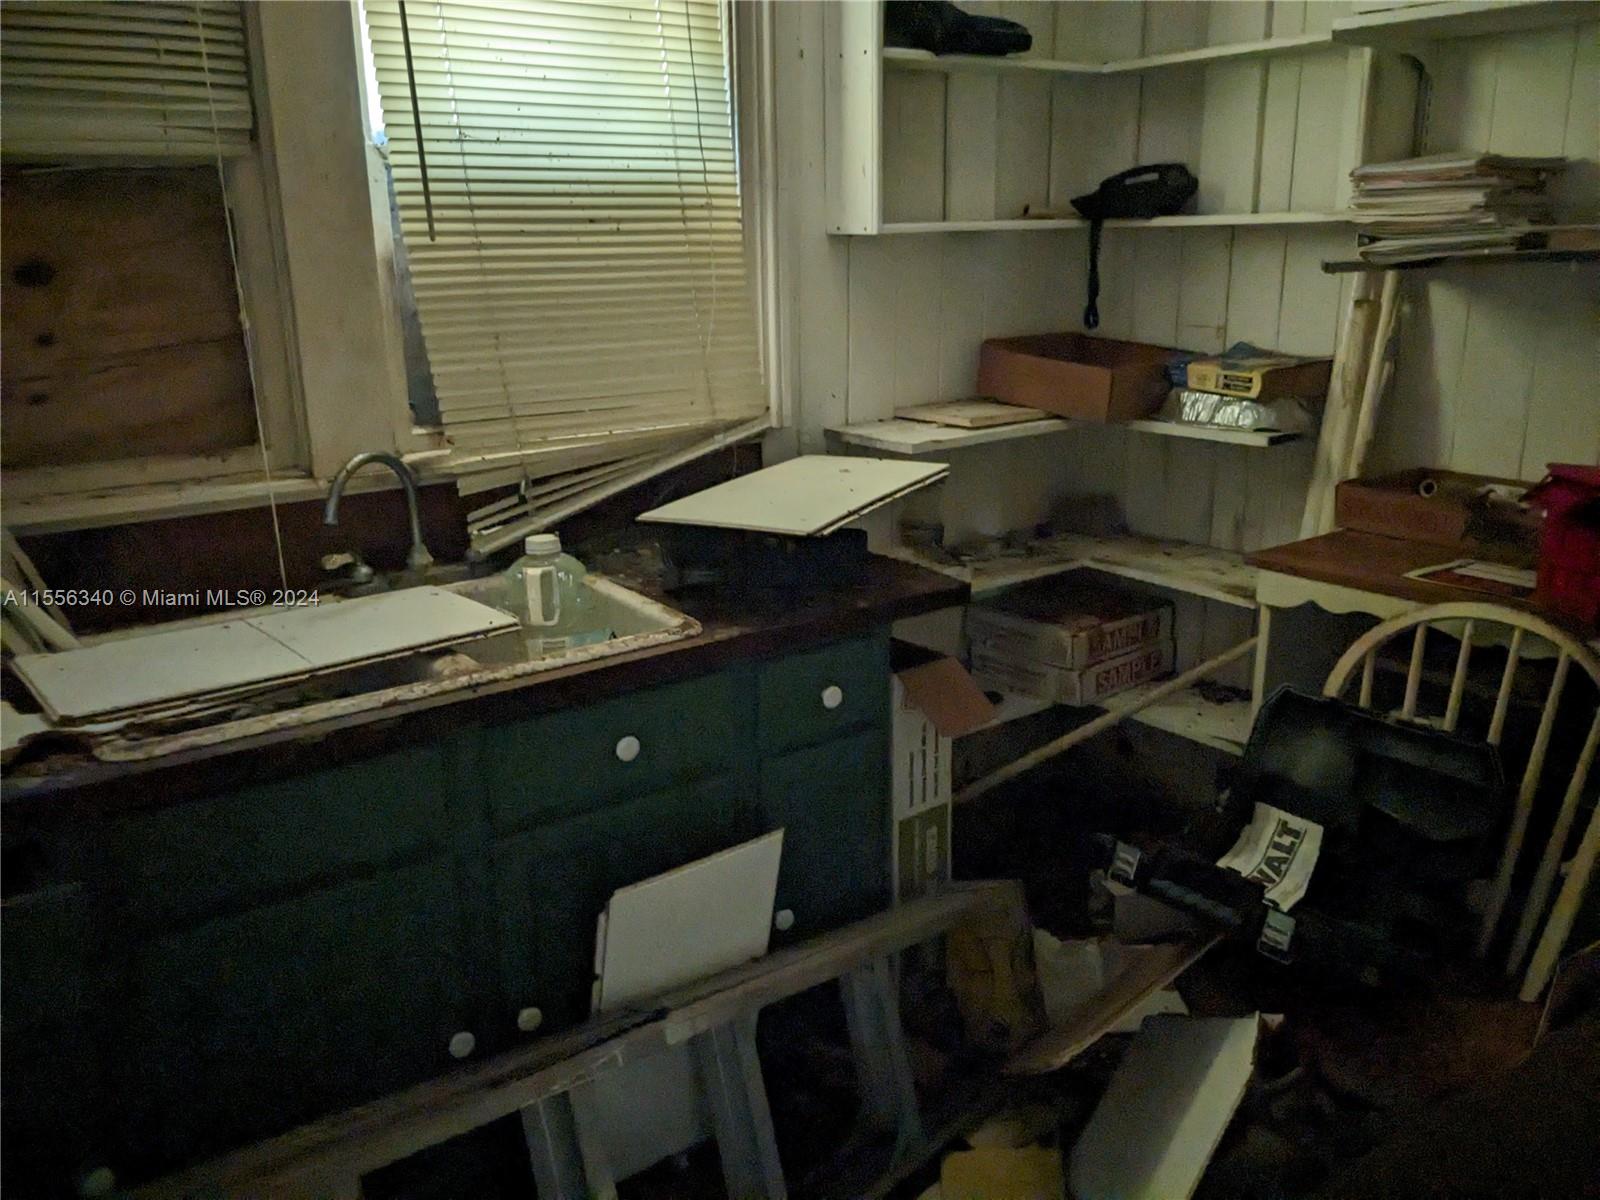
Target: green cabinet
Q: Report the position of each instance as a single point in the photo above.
(196, 976)
(831, 802)
(551, 883)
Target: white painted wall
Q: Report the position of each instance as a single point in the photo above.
(1497, 363)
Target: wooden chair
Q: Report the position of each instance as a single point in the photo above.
(1520, 633)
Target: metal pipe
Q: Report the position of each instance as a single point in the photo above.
(418, 558)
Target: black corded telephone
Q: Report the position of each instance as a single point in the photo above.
(1157, 190)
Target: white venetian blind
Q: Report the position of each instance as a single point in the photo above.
(125, 78)
(578, 252)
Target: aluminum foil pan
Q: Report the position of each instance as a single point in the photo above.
(1229, 412)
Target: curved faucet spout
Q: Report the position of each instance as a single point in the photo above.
(418, 558)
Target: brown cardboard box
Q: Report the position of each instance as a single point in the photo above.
(1263, 377)
(1073, 375)
(1065, 625)
(1063, 685)
(1455, 512)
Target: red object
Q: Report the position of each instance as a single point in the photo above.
(1569, 542)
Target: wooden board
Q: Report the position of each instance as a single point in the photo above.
(1147, 972)
(806, 497)
(971, 414)
(120, 318)
(125, 674)
(1166, 1108)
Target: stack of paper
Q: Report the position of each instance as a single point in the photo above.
(1450, 204)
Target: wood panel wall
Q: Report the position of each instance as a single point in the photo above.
(1497, 364)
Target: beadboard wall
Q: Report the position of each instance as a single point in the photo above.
(1497, 364)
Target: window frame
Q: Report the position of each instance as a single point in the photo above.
(308, 264)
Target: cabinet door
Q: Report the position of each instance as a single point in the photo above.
(249, 1024)
(832, 801)
(552, 882)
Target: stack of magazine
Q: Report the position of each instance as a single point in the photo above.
(1451, 205)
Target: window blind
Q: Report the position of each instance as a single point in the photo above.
(571, 213)
(124, 78)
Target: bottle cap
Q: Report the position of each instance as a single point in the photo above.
(542, 543)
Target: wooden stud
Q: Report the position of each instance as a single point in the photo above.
(1103, 722)
(1379, 367)
(1524, 806)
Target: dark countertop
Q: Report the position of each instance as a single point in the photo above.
(735, 627)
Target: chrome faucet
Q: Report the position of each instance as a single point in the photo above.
(418, 558)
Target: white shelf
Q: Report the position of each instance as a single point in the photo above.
(900, 436)
(1406, 27)
(1213, 574)
(1222, 725)
(923, 60)
(1183, 221)
(911, 438)
(1213, 433)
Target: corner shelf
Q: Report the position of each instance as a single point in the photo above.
(1204, 571)
(1221, 724)
(1404, 28)
(1490, 258)
(1182, 221)
(924, 60)
(901, 436)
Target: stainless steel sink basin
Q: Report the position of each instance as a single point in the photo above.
(492, 662)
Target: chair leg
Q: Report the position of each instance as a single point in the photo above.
(888, 1094)
(730, 1078)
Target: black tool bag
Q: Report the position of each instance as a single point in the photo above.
(1158, 190)
(944, 29)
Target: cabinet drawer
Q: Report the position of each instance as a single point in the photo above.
(265, 843)
(575, 760)
(809, 697)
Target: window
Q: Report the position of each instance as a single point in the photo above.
(132, 176)
(567, 177)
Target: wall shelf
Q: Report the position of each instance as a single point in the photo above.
(1204, 571)
(922, 60)
(1493, 258)
(1404, 28)
(1221, 724)
(1182, 221)
(901, 436)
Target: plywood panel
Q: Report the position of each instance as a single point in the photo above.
(873, 263)
(1094, 133)
(916, 321)
(1579, 186)
(1171, 107)
(1255, 286)
(1523, 117)
(120, 318)
(1563, 412)
(1203, 300)
(1022, 146)
(1318, 116)
(1157, 274)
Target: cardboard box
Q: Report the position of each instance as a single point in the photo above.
(1064, 685)
(1074, 375)
(1068, 626)
(1454, 512)
(1261, 377)
(934, 702)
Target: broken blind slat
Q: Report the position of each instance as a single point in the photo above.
(84, 80)
(587, 273)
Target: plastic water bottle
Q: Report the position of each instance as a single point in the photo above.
(545, 590)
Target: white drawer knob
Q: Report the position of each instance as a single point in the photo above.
(783, 920)
(832, 696)
(529, 1019)
(462, 1044)
(628, 748)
